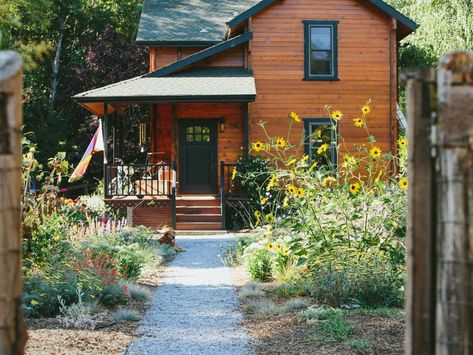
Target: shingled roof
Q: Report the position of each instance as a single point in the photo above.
(187, 22)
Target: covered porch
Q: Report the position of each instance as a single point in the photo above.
(196, 130)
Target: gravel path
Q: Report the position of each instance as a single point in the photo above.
(195, 311)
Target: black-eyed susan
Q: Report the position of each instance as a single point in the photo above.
(354, 188)
(277, 247)
(285, 203)
(322, 149)
(319, 133)
(336, 115)
(403, 183)
(292, 190)
(300, 192)
(329, 181)
(258, 146)
(269, 218)
(402, 142)
(272, 182)
(264, 200)
(291, 162)
(349, 159)
(304, 159)
(281, 142)
(366, 110)
(234, 173)
(269, 246)
(312, 167)
(258, 217)
(295, 117)
(375, 152)
(358, 122)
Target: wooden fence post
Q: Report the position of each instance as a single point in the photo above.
(455, 218)
(420, 232)
(12, 326)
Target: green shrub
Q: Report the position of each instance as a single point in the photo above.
(114, 294)
(260, 266)
(296, 288)
(129, 263)
(137, 292)
(129, 315)
(346, 276)
(318, 313)
(233, 256)
(264, 308)
(335, 329)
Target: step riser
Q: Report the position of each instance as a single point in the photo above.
(198, 218)
(207, 226)
(214, 203)
(198, 210)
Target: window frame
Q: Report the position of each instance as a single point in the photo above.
(308, 24)
(308, 123)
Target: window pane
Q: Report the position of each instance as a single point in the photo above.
(321, 38)
(197, 129)
(321, 63)
(190, 129)
(190, 138)
(206, 138)
(205, 130)
(198, 138)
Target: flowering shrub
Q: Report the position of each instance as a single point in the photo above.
(313, 205)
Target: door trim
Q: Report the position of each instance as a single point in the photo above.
(213, 123)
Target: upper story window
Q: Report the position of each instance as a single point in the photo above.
(321, 141)
(321, 50)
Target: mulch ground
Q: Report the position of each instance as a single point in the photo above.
(46, 336)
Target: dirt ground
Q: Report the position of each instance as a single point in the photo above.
(46, 336)
(284, 334)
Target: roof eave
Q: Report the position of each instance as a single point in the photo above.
(143, 43)
(165, 99)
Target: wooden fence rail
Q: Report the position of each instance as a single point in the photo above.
(12, 326)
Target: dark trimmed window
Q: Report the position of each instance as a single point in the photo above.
(321, 50)
(320, 131)
(197, 134)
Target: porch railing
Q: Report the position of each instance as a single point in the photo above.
(230, 187)
(124, 180)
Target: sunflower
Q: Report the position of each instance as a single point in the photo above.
(375, 152)
(305, 159)
(272, 182)
(285, 203)
(328, 181)
(292, 190)
(300, 193)
(319, 133)
(403, 183)
(268, 246)
(295, 117)
(264, 200)
(257, 214)
(291, 162)
(336, 115)
(322, 149)
(312, 167)
(277, 247)
(354, 188)
(358, 122)
(281, 142)
(285, 251)
(402, 142)
(258, 146)
(349, 159)
(270, 218)
(366, 110)
(269, 228)
(234, 173)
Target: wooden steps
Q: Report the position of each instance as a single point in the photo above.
(198, 213)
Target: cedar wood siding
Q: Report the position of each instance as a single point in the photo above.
(366, 51)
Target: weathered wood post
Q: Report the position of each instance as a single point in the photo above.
(420, 319)
(454, 324)
(12, 326)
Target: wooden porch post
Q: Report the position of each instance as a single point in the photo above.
(246, 131)
(105, 147)
(12, 325)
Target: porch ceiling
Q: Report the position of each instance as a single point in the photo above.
(198, 85)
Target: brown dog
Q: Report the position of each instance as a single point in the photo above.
(169, 238)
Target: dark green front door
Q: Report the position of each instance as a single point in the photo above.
(198, 156)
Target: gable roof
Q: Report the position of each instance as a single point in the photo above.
(187, 22)
(204, 54)
(407, 24)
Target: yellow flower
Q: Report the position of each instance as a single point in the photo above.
(277, 247)
(272, 182)
(258, 217)
(34, 302)
(234, 173)
(295, 117)
(328, 181)
(269, 246)
(264, 200)
(285, 203)
(319, 133)
(337, 115)
(57, 238)
(376, 152)
(322, 149)
(305, 159)
(292, 190)
(258, 146)
(269, 228)
(281, 142)
(402, 142)
(354, 188)
(349, 159)
(379, 176)
(270, 218)
(366, 110)
(301, 192)
(291, 162)
(312, 167)
(285, 251)
(358, 122)
(403, 183)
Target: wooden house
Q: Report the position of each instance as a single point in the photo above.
(217, 68)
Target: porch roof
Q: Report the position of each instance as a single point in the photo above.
(197, 85)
